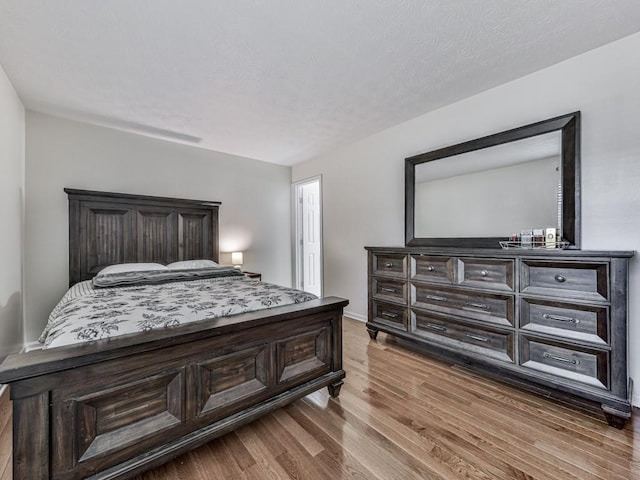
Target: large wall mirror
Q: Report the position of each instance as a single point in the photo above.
(479, 192)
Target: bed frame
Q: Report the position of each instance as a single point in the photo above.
(114, 408)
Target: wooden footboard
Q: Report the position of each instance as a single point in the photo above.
(112, 409)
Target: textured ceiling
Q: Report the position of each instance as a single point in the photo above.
(284, 80)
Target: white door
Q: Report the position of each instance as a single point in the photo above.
(308, 233)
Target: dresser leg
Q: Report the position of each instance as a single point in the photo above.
(614, 417)
(373, 334)
(615, 421)
(334, 389)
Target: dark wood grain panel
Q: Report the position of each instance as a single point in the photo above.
(578, 364)
(584, 280)
(157, 236)
(31, 438)
(227, 382)
(195, 235)
(433, 269)
(492, 308)
(487, 273)
(490, 342)
(390, 290)
(109, 421)
(390, 265)
(390, 314)
(109, 238)
(107, 228)
(302, 355)
(586, 323)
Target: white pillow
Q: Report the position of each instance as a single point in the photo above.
(131, 267)
(188, 264)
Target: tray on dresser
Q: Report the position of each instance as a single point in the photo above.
(558, 245)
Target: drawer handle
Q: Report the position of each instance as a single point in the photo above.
(390, 315)
(436, 298)
(560, 279)
(477, 337)
(440, 328)
(477, 305)
(484, 273)
(389, 290)
(560, 318)
(389, 264)
(560, 359)
(431, 268)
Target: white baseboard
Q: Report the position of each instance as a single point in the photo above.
(30, 346)
(355, 316)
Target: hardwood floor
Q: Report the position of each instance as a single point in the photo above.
(402, 416)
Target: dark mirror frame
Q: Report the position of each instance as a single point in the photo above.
(568, 124)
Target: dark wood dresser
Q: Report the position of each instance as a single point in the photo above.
(554, 322)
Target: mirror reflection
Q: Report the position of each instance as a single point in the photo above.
(480, 192)
(494, 191)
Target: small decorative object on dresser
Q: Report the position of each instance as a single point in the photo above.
(554, 322)
(254, 275)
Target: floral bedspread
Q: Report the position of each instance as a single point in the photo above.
(86, 313)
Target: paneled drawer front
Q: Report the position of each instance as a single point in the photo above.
(583, 365)
(116, 422)
(230, 382)
(393, 315)
(565, 279)
(390, 265)
(493, 308)
(484, 273)
(578, 322)
(433, 269)
(488, 342)
(389, 289)
(303, 356)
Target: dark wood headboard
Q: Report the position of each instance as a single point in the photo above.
(107, 228)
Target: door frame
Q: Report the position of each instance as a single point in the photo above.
(296, 233)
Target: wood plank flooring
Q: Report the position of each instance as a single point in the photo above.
(403, 416)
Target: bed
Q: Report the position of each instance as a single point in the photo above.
(112, 408)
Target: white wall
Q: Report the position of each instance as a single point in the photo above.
(255, 196)
(363, 183)
(12, 128)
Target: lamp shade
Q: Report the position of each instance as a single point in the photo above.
(236, 258)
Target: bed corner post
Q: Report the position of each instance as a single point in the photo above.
(74, 240)
(31, 452)
(336, 360)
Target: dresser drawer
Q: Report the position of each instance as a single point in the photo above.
(578, 322)
(433, 269)
(389, 289)
(390, 265)
(389, 314)
(583, 365)
(483, 273)
(587, 281)
(489, 342)
(488, 307)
